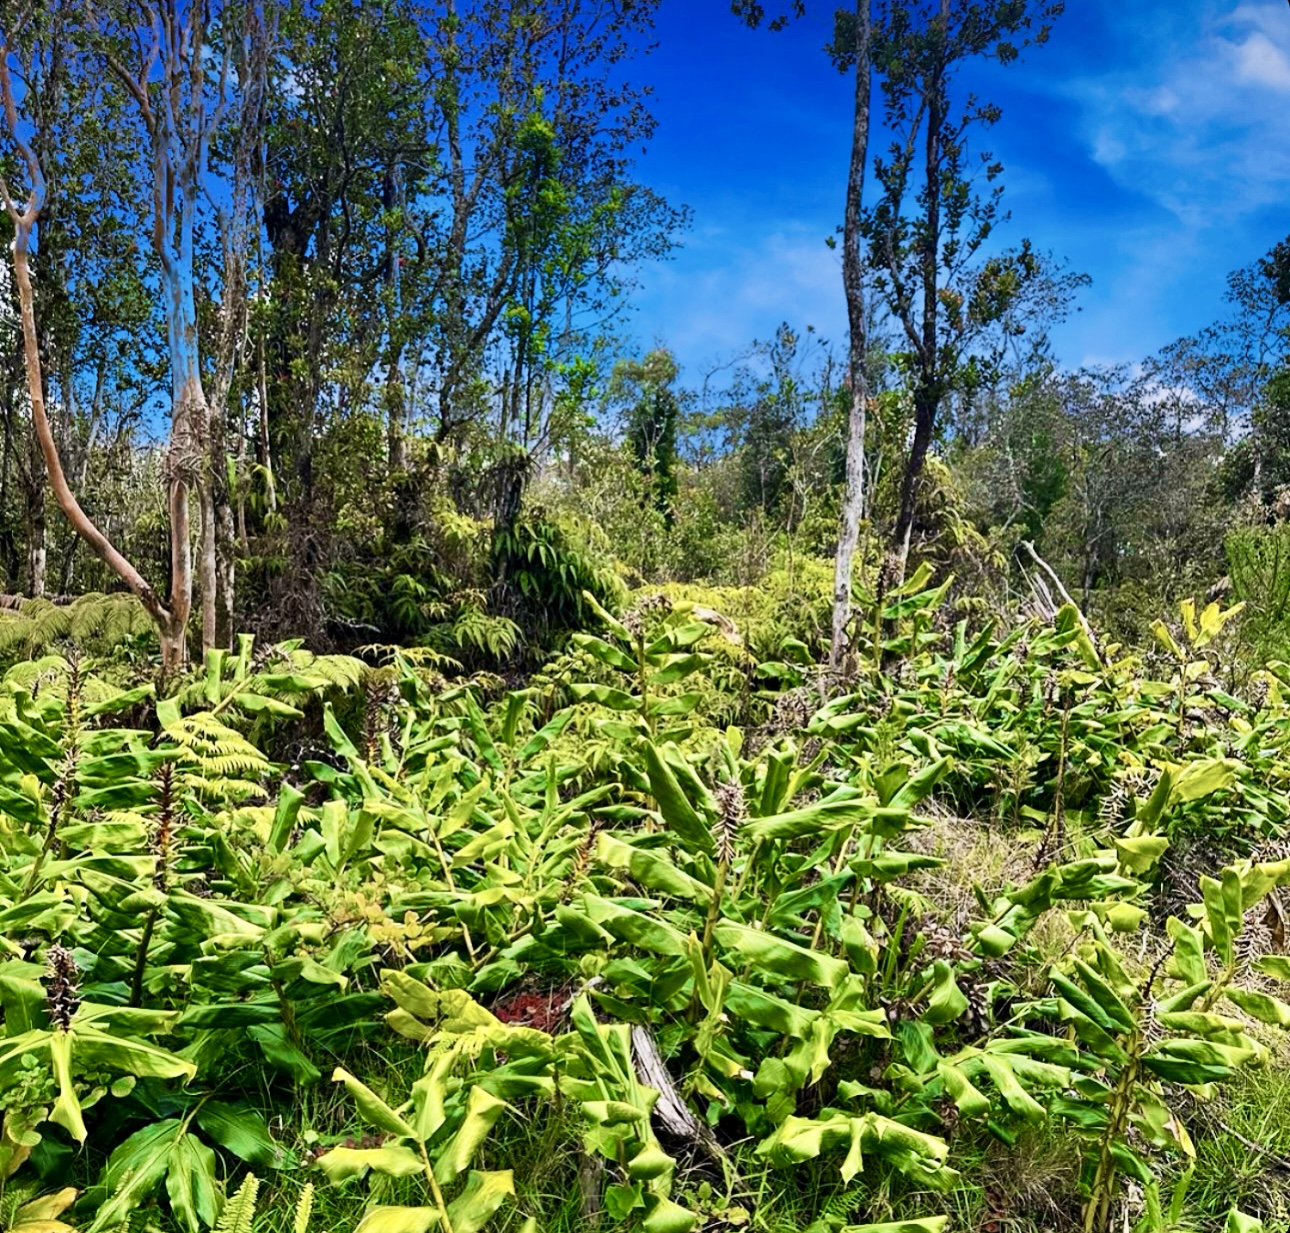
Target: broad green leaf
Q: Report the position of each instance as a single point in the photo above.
(605, 695)
(648, 868)
(371, 1107)
(482, 1112)
(605, 652)
(1142, 852)
(1202, 778)
(1115, 1010)
(1276, 966)
(919, 786)
(678, 811)
(191, 1185)
(1189, 951)
(67, 1108)
(243, 1132)
(946, 1001)
(1239, 1222)
(763, 1009)
(394, 1160)
(282, 1054)
(668, 1217)
(1261, 1006)
(398, 1220)
(647, 932)
(1166, 639)
(1005, 1079)
(971, 1101)
(827, 815)
(135, 1169)
(483, 1195)
(781, 958)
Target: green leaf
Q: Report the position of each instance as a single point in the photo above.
(649, 869)
(605, 695)
(1119, 1015)
(778, 957)
(919, 786)
(668, 1217)
(482, 1112)
(1261, 1006)
(67, 1108)
(1005, 1079)
(823, 816)
(1202, 778)
(1239, 1222)
(604, 652)
(1276, 966)
(393, 1160)
(483, 1195)
(243, 1132)
(763, 1009)
(135, 1169)
(191, 1185)
(691, 827)
(371, 1107)
(675, 668)
(398, 1220)
(970, 1100)
(947, 1001)
(1189, 951)
(647, 932)
(282, 1054)
(1140, 853)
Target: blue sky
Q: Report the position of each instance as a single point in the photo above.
(1148, 144)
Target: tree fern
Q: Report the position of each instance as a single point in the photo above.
(216, 761)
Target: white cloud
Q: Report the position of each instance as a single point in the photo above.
(1198, 123)
(733, 286)
(1262, 62)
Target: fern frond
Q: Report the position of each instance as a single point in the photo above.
(215, 760)
(304, 1209)
(239, 1211)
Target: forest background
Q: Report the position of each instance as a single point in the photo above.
(358, 290)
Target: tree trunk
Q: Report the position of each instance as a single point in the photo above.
(926, 401)
(63, 494)
(927, 392)
(8, 545)
(853, 283)
(37, 552)
(207, 576)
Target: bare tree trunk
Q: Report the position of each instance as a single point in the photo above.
(63, 494)
(8, 548)
(37, 552)
(853, 282)
(226, 571)
(263, 449)
(206, 572)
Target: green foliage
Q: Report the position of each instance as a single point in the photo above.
(551, 568)
(655, 938)
(95, 624)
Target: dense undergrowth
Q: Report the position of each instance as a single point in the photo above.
(686, 934)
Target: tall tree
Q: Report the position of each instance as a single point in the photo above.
(652, 415)
(171, 617)
(851, 51)
(927, 231)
